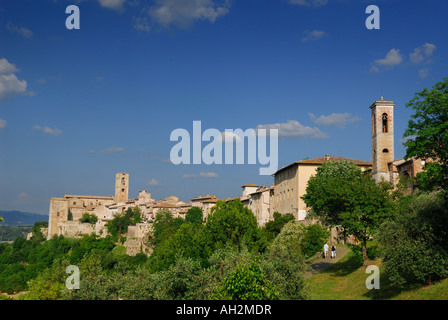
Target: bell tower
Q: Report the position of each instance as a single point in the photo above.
(382, 138)
(121, 186)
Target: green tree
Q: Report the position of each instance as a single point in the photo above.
(165, 226)
(247, 282)
(232, 223)
(284, 264)
(427, 135)
(48, 285)
(414, 244)
(194, 215)
(118, 226)
(314, 238)
(349, 198)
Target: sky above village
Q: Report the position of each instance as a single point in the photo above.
(79, 105)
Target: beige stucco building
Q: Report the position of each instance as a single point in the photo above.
(290, 183)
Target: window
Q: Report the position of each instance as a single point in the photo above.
(122, 190)
(385, 124)
(385, 151)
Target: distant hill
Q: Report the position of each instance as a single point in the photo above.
(18, 218)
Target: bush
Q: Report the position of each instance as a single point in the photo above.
(414, 244)
(89, 218)
(247, 282)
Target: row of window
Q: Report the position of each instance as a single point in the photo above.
(286, 194)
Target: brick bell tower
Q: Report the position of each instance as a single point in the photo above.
(382, 138)
(121, 187)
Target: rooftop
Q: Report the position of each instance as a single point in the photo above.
(327, 158)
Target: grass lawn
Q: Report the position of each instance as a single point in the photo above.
(345, 280)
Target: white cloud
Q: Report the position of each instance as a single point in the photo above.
(309, 3)
(6, 67)
(3, 124)
(294, 129)
(313, 35)
(393, 58)
(112, 150)
(339, 120)
(54, 132)
(422, 53)
(184, 13)
(201, 175)
(154, 182)
(27, 33)
(10, 85)
(112, 4)
(208, 175)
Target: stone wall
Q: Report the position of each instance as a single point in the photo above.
(136, 239)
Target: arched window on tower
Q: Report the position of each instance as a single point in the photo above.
(123, 182)
(385, 124)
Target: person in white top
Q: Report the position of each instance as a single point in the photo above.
(326, 250)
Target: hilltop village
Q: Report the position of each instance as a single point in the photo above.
(283, 196)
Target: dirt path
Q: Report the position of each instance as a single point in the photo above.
(320, 263)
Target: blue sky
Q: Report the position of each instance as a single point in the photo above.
(77, 106)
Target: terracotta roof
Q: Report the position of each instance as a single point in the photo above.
(327, 158)
(213, 200)
(250, 185)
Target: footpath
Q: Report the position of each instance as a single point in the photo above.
(318, 263)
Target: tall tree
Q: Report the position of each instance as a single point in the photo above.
(427, 135)
(340, 194)
(232, 223)
(194, 215)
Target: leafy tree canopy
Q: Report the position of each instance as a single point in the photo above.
(349, 198)
(427, 135)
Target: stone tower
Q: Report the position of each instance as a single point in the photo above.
(382, 138)
(121, 186)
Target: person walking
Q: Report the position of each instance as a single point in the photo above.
(326, 250)
(333, 251)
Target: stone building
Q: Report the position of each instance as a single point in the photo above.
(65, 213)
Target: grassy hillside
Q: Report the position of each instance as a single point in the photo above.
(11, 233)
(346, 281)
